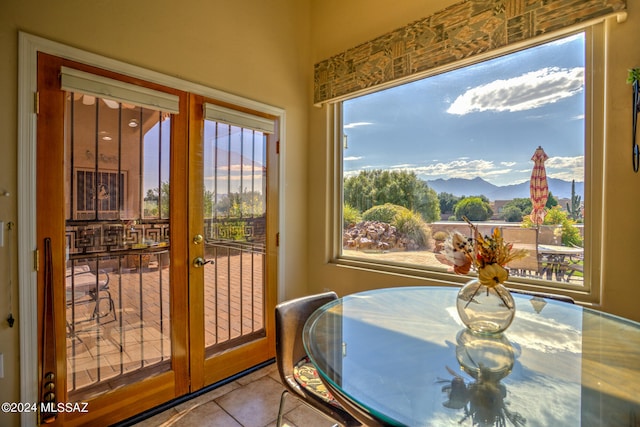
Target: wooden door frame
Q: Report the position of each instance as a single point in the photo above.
(28, 49)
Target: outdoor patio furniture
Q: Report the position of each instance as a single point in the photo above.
(527, 239)
(83, 286)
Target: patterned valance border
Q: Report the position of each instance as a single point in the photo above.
(460, 31)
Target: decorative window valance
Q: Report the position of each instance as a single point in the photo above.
(460, 31)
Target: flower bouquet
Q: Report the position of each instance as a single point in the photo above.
(484, 304)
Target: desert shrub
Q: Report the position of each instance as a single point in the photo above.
(405, 221)
(413, 226)
(350, 215)
(384, 213)
(440, 235)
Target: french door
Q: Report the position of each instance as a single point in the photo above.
(156, 236)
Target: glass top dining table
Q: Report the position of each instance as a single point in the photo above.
(403, 357)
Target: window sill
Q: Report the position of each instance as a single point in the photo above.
(444, 278)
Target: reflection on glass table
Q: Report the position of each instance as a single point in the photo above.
(487, 360)
(403, 357)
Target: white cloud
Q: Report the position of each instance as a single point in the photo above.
(525, 92)
(346, 159)
(406, 166)
(565, 162)
(356, 124)
(459, 168)
(566, 168)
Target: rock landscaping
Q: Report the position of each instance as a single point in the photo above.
(377, 236)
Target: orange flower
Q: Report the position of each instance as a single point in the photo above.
(492, 275)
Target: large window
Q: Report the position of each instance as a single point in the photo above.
(419, 157)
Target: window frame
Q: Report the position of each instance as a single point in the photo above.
(590, 292)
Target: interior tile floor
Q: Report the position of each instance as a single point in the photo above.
(249, 401)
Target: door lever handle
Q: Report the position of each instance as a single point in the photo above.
(200, 262)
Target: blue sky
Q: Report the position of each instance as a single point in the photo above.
(244, 149)
(484, 120)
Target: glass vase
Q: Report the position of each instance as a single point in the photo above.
(485, 310)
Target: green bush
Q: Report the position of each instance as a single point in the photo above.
(403, 188)
(570, 233)
(350, 215)
(512, 214)
(384, 213)
(473, 208)
(413, 226)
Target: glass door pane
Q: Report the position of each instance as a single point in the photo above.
(235, 235)
(117, 242)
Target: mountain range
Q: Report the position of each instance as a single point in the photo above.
(477, 186)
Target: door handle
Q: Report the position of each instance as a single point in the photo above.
(200, 262)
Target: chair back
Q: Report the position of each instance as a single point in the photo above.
(523, 238)
(290, 318)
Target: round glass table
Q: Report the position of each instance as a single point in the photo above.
(403, 357)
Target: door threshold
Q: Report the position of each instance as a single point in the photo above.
(185, 398)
